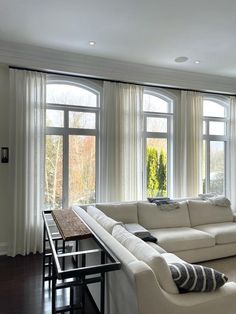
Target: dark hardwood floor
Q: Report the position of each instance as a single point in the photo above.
(21, 288)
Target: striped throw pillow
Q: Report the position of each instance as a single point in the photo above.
(197, 278)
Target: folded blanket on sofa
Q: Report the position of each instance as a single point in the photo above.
(158, 199)
(168, 205)
(205, 196)
(140, 232)
(218, 200)
(164, 203)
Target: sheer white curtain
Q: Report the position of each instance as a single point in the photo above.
(27, 91)
(232, 149)
(121, 147)
(188, 149)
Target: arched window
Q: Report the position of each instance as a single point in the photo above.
(158, 124)
(215, 138)
(71, 158)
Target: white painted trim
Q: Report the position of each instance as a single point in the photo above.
(74, 63)
(3, 248)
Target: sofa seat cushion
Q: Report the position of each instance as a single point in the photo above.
(151, 216)
(224, 232)
(125, 212)
(204, 212)
(143, 252)
(182, 239)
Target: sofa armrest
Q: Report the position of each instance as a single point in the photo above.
(234, 215)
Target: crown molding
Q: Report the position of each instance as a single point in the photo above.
(46, 59)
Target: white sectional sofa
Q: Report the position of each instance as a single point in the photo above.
(196, 231)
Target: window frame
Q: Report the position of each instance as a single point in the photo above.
(222, 101)
(170, 99)
(65, 131)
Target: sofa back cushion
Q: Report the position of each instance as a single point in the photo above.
(204, 212)
(106, 222)
(151, 216)
(124, 212)
(122, 254)
(143, 252)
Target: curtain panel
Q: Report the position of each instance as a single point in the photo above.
(27, 112)
(188, 145)
(121, 143)
(232, 153)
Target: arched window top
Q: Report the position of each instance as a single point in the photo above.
(155, 101)
(214, 107)
(72, 94)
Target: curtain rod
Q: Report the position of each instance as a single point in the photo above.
(118, 81)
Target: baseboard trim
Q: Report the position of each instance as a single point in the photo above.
(3, 248)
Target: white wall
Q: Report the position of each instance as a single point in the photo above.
(4, 168)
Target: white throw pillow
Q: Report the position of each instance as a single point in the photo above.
(142, 251)
(106, 222)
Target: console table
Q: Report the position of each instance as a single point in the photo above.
(64, 266)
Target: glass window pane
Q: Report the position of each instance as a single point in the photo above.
(216, 128)
(156, 165)
(217, 158)
(54, 118)
(82, 120)
(213, 109)
(70, 95)
(204, 128)
(82, 169)
(154, 104)
(157, 125)
(53, 171)
(204, 167)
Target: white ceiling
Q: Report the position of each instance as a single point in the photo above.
(150, 32)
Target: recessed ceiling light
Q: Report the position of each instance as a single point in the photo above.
(197, 61)
(92, 43)
(181, 59)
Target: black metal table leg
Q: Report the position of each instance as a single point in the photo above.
(63, 251)
(54, 281)
(102, 290)
(102, 298)
(71, 300)
(77, 249)
(44, 252)
(49, 270)
(83, 287)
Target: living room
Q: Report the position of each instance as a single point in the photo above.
(177, 56)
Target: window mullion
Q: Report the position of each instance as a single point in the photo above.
(169, 160)
(156, 135)
(208, 166)
(66, 161)
(225, 165)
